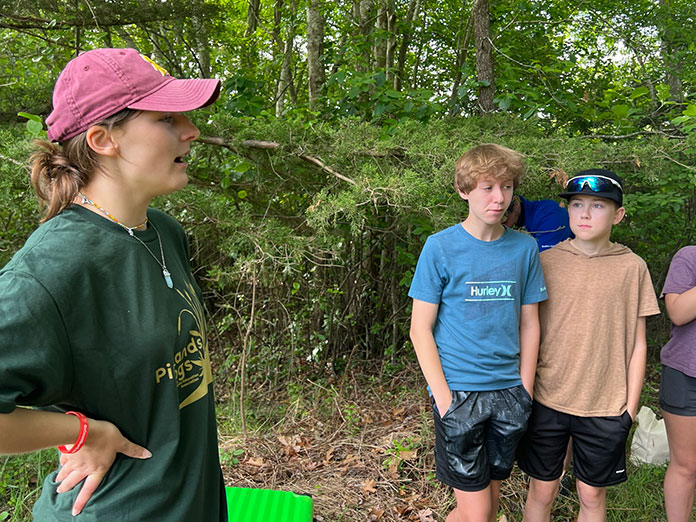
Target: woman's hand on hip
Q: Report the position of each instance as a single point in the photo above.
(93, 460)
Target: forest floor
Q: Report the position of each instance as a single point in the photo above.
(364, 452)
(360, 445)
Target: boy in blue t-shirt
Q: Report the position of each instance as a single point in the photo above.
(475, 330)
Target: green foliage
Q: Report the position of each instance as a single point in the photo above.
(19, 211)
(231, 457)
(370, 96)
(329, 261)
(34, 125)
(21, 478)
(599, 68)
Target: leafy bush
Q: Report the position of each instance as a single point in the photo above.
(321, 231)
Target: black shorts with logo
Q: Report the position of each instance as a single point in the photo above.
(476, 438)
(599, 446)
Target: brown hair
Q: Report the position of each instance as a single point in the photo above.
(59, 172)
(488, 159)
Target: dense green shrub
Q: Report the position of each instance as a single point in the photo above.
(325, 254)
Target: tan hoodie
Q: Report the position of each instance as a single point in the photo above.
(588, 327)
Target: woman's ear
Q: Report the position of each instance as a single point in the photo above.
(100, 140)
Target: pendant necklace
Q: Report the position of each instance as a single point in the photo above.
(163, 265)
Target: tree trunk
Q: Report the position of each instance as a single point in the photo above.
(200, 36)
(315, 49)
(391, 40)
(462, 50)
(365, 25)
(285, 82)
(413, 8)
(484, 56)
(252, 17)
(380, 47)
(419, 56)
(670, 51)
(277, 22)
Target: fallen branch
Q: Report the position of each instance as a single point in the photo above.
(632, 135)
(260, 144)
(257, 144)
(326, 168)
(228, 144)
(12, 160)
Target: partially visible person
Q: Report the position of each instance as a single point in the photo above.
(475, 330)
(102, 328)
(592, 355)
(678, 385)
(546, 220)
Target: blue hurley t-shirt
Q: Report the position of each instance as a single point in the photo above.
(479, 287)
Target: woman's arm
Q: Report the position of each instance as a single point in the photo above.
(681, 308)
(26, 430)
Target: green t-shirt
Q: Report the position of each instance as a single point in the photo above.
(88, 323)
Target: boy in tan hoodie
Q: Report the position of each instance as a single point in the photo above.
(592, 355)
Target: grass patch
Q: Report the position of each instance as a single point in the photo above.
(21, 477)
(640, 498)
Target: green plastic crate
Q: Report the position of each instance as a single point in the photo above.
(267, 505)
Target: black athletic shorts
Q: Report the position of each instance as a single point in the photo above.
(599, 446)
(677, 392)
(475, 440)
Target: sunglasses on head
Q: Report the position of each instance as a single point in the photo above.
(594, 183)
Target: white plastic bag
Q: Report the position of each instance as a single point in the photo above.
(649, 445)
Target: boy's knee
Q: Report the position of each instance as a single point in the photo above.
(469, 514)
(542, 492)
(591, 497)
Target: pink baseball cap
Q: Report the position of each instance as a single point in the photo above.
(102, 82)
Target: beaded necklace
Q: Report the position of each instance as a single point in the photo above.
(163, 265)
(130, 230)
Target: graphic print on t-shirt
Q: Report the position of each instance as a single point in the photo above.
(487, 291)
(191, 365)
(490, 290)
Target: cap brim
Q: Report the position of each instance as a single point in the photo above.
(180, 96)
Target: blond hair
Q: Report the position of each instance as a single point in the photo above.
(488, 159)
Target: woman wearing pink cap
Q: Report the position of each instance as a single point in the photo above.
(101, 321)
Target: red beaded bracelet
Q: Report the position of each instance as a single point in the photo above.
(81, 438)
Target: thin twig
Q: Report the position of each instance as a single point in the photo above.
(12, 160)
(244, 352)
(326, 168)
(632, 135)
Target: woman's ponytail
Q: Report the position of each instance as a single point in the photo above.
(59, 172)
(55, 178)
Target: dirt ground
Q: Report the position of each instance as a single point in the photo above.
(362, 453)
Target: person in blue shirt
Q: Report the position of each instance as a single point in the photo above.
(545, 219)
(475, 329)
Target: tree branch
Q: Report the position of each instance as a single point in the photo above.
(326, 168)
(632, 135)
(259, 144)
(12, 160)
